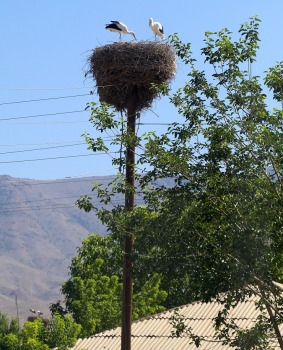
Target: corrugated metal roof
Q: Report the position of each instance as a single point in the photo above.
(154, 332)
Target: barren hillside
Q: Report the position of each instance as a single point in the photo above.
(39, 232)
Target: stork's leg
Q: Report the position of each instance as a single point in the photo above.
(120, 36)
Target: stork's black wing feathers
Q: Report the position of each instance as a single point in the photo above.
(115, 22)
(113, 26)
(161, 30)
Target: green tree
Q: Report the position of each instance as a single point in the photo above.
(10, 342)
(4, 324)
(32, 336)
(9, 333)
(217, 226)
(93, 292)
(60, 333)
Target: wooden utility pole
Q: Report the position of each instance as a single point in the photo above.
(17, 308)
(129, 235)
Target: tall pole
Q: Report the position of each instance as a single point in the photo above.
(17, 309)
(129, 234)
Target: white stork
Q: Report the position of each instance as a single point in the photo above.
(157, 28)
(119, 27)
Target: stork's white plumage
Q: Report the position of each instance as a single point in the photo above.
(157, 28)
(119, 27)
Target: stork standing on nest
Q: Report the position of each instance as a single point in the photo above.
(157, 28)
(119, 27)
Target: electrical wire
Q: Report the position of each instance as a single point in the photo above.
(43, 99)
(37, 144)
(43, 148)
(44, 200)
(45, 89)
(47, 123)
(56, 205)
(43, 115)
(20, 183)
(52, 158)
(38, 208)
(67, 143)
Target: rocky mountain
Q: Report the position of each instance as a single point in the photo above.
(40, 229)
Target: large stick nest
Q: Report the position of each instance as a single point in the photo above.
(121, 67)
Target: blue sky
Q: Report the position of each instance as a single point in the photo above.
(44, 49)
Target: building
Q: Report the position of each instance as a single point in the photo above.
(155, 332)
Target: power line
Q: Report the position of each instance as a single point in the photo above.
(73, 179)
(55, 199)
(165, 124)
(82, 121)
(56, 206)
(42, 200)
(60, 181)
(42, 115)
(52, 158)
(38, 208)
(43, 148)
(46, 123)
(59, 157)
(36, 144)
(45, 89)
(43, 99)
(51, 147)
(49, 143)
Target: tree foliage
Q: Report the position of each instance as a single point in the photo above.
(60, 333)
(93, 292)
(216, 225)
